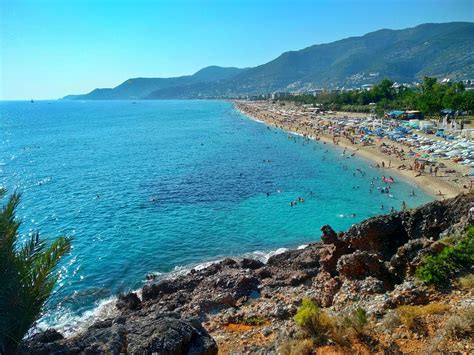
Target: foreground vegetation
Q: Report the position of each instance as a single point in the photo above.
(456, 257)
(430, 98)
(27, 276)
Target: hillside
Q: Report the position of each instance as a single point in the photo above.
(439, 50)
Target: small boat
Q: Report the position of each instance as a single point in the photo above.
(32, 101)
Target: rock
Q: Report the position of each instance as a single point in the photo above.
(381, 235)
(430, 220)
(360, 265)
(251, 264)
(160, 334)
(437, 247)
(129, 301)
(170, 336)
(95, 340)
(298, 259)
(329, 256)
(409, 293)
(325, 287)
(329, 236)
(408, 256)
(282, 311)
(154, 291)
(47, 336)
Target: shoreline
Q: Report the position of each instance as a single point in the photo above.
(75, 324)
(248, 306)
(428, 183)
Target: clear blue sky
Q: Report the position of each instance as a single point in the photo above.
(50, 48)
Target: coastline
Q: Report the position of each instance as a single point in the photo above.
(245, 305)
(428, 183)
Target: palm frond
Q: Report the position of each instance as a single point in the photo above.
(27, 275)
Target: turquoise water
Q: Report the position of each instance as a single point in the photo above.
(161, 185)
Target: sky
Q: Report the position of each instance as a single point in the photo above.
(52, 48)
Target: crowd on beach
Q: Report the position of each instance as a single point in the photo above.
(388, 142)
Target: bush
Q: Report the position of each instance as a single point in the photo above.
(321, 326)
(408, 314)
(438, 269)
(313, 320)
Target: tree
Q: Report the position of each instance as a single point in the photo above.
(428, 84)
(27, 276)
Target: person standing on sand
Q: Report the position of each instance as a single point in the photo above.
(383, 164)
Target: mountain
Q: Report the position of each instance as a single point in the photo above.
(139, 88)
(440, 50)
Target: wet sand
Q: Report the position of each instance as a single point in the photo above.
(449, 184)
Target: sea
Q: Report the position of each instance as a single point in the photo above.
(160, 187)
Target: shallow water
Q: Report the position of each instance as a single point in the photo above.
(160, 185)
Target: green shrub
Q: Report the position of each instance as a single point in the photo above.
(438, 269)
(314, 320)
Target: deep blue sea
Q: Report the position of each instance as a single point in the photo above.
(159, 186)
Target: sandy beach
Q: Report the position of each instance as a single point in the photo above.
(450, 179)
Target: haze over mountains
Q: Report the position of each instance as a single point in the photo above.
(440, 50)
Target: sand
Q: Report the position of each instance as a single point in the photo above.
(449, 185)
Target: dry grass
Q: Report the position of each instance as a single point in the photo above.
(467, 282)
(459, 325)
(408, 314)
(297, 347)
(390, 321)
(456, 327)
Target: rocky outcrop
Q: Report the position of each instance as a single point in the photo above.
(138, 334)
(371, 265)
(360, 265)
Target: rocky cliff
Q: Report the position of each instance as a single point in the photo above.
(247, 305)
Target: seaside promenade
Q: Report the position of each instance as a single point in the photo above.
(441, 178)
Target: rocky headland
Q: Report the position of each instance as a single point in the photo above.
(246, 306)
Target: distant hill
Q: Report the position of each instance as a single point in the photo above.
(440, 50)
(140, 88)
